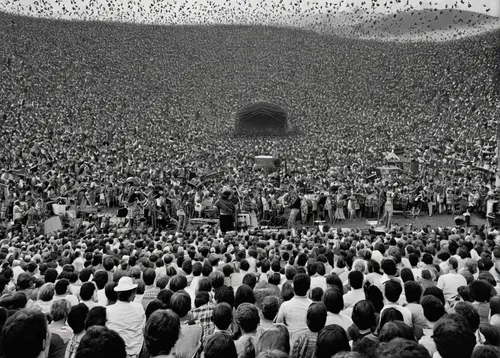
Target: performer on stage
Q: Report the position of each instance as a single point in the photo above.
(227, 210)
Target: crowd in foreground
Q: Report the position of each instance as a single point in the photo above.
(427, 293)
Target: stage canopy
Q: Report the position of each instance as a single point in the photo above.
(261, 117)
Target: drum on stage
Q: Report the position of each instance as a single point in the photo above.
(243, 220)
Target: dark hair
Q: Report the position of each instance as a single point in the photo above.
(317, 294)
(393, 290)
(51, 275)
(333, 300)
(222, 315)
(109, 291)
(244, 293)
(406, 275)
(24, 334)
(389, 315)
(402, 348)
(301, 284)
(101, 279)
(269, 307)
(178, 282)
(220, 345)
(376, 298)
(162, 282)
(316, 316)
(389, 266)
(224, 294)
(491, 334)
(331, 340)
(486, 351)
(87, 291)
(180, 303)
(287, 292)
(480, 291)
(355, 279)
(250, 279)
(149, 276)
(161, 332)
(216, 279)
(453, 337)
(77, 316)
(247, 317)
(436, 292)
(61, 286)
(395, 329)
(244, 265)
(433, 308)
(101, 342)
(96, 317)
(469, 312)
(413, 291)
(363, 315)
(334, 280)
(275, 338)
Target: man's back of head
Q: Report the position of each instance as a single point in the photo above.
(25, 334)
(101, 342)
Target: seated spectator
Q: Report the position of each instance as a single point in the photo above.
(363, 317)
(248, 319)
(356, 294)
(331, 340)
(61, 292)
(268, 311)
(59, 314)
(161, 333)
(150, 290)
(305, 344)
(400, 347)
(126, 317)
(96, 317)
(275, 338)
(450, 282)
(392, 293)
(469, 312)
(389, 315)
(203, 312)
(334, 303)
(395, 329)
(88, 294)
(222, 317)
(45, 298)
(76, 320)
(101, 342)
(244, 294)
(453, 336)
(481, 292)
(101, 279)
(25, 334)
(293, 313)
(191, 334)
(111, 295)
(220, 345)
(413, 292)
(433, 310)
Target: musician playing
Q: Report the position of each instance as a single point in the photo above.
(227, 210)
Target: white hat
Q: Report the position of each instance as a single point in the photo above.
(125, 284)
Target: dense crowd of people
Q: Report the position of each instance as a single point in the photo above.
(121, 118)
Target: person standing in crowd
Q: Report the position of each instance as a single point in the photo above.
(293, 202)
(227, 211)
